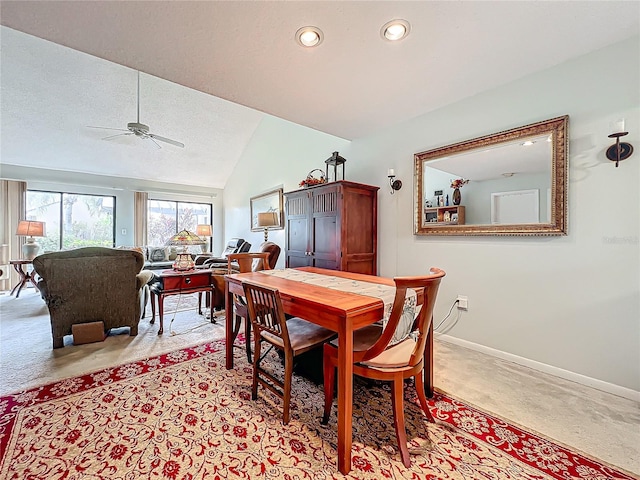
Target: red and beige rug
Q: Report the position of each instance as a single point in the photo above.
(184, 416)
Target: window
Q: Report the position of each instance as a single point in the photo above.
(166, 218)
(73, 220)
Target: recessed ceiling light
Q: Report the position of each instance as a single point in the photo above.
(309, 36)
(528, 143)
(395, 30)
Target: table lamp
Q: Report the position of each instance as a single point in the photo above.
(204, 231)
(30, 229)
(184, 238)
(266, 220)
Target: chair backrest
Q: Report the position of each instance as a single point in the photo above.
(266, 312)
(427, 289)
(244, 262)
(273, 249)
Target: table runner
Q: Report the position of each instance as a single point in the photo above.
(385, 293)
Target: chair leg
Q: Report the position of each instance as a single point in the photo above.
(397, 401)
(329, 372)
(256, 366)
(247, 336)
(419, 381)
(288, 376)
(236, 325)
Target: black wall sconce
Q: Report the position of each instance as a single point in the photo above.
(620, 150)
(395, 184)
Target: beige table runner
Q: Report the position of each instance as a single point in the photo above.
(385, 293)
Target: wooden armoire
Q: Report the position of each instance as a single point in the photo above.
(334, 226)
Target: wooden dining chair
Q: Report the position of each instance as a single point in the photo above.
(243, 263)
(375, 358)
(292, 336)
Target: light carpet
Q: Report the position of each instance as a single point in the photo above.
(182, 415)
(27, 358)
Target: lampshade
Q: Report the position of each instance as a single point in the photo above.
(183, 238)
(204, 230)
(30, 228)
(268, 219)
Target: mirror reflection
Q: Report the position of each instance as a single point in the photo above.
(508, 183)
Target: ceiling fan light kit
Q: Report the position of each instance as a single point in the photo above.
(140, 129)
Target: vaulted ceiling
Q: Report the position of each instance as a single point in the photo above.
(213, 69)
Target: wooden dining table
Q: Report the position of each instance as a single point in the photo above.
(342, 312)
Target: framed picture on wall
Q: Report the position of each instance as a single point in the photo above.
(267, 211)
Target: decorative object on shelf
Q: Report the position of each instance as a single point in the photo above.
(30, 229)
(395, 184)
(457, 184)
(266, 220)
(335, 160)
(311, 180)
(182, 239)
(206, 232)
(620, 150)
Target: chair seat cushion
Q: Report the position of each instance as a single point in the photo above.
(393, 358)
(363, 338)
(303, 335)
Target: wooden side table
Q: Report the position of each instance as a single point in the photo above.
(174, 282)
(26, 276)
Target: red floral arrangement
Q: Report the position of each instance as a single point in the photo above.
(458, 183)
(311, 180)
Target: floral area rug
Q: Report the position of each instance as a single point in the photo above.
(184, 416)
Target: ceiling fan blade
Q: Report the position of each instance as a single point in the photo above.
(109, 128)
(116, 135)
(166, 140)
(148, 137)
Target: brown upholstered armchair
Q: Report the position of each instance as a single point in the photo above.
(92, 284)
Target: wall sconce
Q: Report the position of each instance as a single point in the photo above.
(620, 150)
(395, 184)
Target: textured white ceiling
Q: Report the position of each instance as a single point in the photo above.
(351, 86)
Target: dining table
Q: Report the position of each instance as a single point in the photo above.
(340, 311)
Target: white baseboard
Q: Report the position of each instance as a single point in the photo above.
(543, 367)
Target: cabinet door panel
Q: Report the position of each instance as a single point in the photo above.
(325, 238)
(294, 260)
(297, 235)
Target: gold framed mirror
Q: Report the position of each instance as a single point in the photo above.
(512, 182)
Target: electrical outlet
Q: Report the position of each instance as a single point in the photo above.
(463, 302)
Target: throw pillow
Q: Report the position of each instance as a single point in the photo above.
(158, 254)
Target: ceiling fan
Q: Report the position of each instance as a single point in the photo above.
(140, 129)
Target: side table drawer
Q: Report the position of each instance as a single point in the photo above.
(187, 281)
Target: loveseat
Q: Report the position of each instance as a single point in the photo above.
(92, 284)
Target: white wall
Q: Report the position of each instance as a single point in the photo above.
(279, 155)
(569, 302)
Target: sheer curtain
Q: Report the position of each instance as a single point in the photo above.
(140, 201)
(13, 198)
